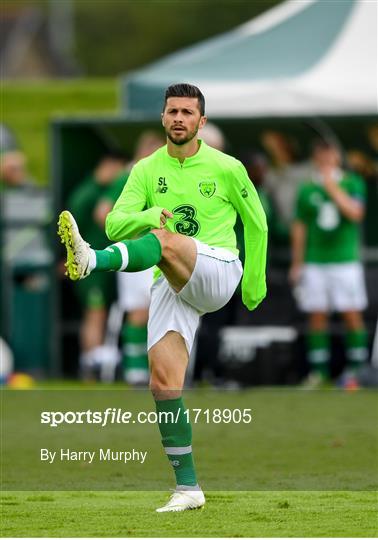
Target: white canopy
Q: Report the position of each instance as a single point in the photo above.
(303, 57)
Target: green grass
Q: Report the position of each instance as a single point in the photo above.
(226, 514)
(307, 462)
(27, 108)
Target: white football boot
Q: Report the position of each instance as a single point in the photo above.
(78, 251)
(184, 500)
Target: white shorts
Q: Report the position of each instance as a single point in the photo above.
(213, 282)
(332, 287)
(134, 289)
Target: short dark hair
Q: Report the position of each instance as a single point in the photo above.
(323, 144)
(186, 90)
(114, 154)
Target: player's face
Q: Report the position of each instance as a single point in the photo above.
(327, 158)
(182, 119)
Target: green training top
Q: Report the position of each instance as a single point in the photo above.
(331, 237)
(204, 193)
(82, 203)
(116, 187)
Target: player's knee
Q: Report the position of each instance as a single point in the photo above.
(160, 388)
(168, 241)
(162, 393)
(162, 382)
(159, 380)
(318, 321)
(353, 320)
(138, 317)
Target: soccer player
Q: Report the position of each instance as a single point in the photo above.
(326, 266)
(94, 294)
(188, 195)
(133, 288)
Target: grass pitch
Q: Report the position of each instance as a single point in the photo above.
(311, 459)
(226, 514)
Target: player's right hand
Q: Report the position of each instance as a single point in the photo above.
(166, 214)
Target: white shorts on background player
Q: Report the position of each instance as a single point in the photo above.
(134, 289)
(213, 282)
(332, 287)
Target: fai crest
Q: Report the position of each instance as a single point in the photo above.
(207, 189)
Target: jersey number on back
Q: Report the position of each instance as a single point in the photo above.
(187, 224)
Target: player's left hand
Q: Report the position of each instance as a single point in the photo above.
(165, 214)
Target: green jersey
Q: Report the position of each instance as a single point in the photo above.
(116, 187)
(204, 193)
(331, 237)
(82, 203)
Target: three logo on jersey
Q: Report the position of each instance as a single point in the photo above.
(207, 188)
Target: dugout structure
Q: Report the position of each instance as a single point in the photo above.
(78, 143)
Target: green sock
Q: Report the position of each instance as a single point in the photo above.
(129, 255)
(135, 360)
(176, 433)
(356, 348)
(318, 352)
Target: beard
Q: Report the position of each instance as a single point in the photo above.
(181, 140)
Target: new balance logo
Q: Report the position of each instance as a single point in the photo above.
(162, 185)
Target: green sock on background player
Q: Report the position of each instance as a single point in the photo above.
(128, 255)
(356, 348)
(177, 441)
(319, 352)
(135, 360)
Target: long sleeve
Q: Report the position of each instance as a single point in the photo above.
(244, 198)
(128, 219)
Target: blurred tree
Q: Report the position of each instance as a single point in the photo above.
(118, 36)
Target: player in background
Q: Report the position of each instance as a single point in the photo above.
(326, 268)
(94, 294)
(213, 136)
(188, 195)
(133, 288)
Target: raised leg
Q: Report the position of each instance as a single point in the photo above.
(178, 257)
